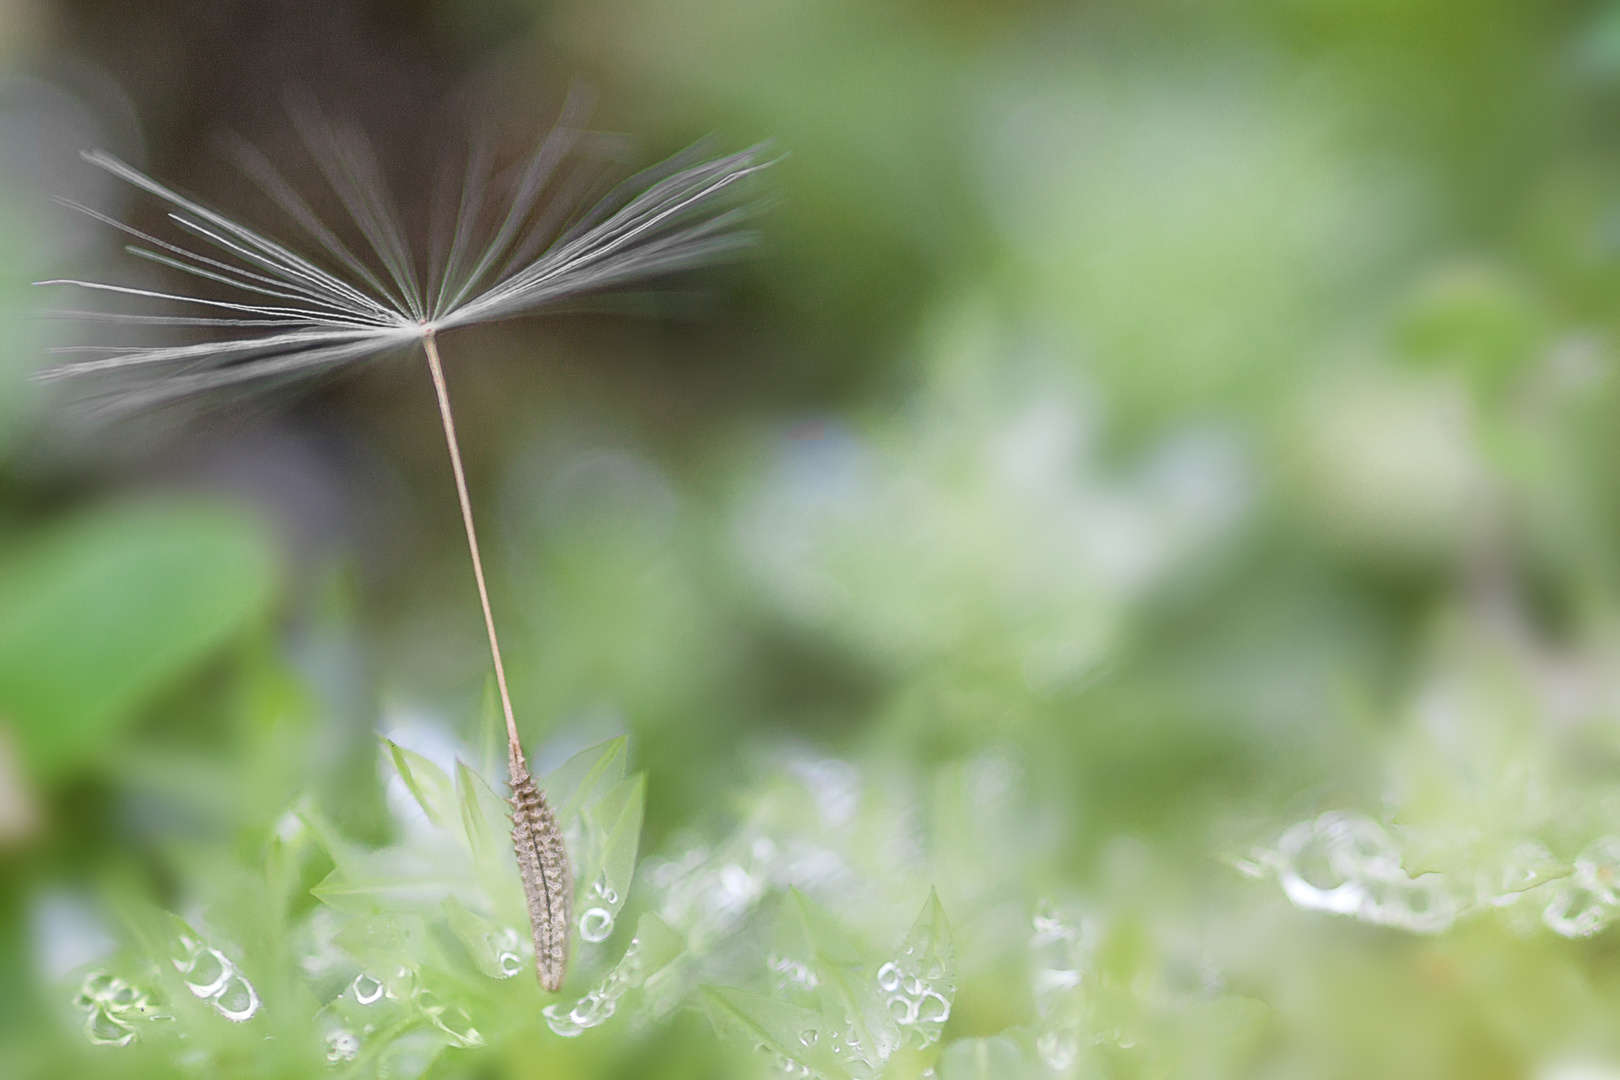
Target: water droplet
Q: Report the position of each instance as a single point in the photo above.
(808, 1036)
(1529, 864)
(110, 1003)
(559, 1022)
(504, 951)
(1421, 905)
(596, 924)
(190, 949)
(1058, 1050)
(600, 889)
(1577, 911)
(342, 1045)
(1598, 865)
(210, 971)
(792, 972)
(454, 1022)
(1318, 867)
(598, 1006)
(104, 1029)
(592, 1010)
(902, 1010)
(212, 976)
(367, 989)
(888, 976)
(1048, 925)
(1587, 901)
(1049, 981)
(237, 1000)
(933, 1008)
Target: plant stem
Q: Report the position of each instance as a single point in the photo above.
(514, 748)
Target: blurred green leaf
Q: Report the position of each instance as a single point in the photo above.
(495, 951)
(385, 943)
(995, 1058)
(805, 930)
(617, 820)
(484, 816)
(103, 611)
(394, 879)
(584, 778)
(427, 783)
(783, 1030)
(491, 731)
(851, 1011)
(928, 948)
(487, 826)
(659, 944)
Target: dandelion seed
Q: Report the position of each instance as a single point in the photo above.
(303, 315)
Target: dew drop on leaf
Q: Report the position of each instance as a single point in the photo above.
(366, 989)
(237, 1000)
(596, 924)
(342, 1045)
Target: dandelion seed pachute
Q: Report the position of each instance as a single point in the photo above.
(672, 217)
(291, 315)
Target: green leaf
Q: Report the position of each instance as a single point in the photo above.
(604, 811)
(411, 1054)
(805, 930)
(491, 730)
(1230, 1026)
(340, 850)
(496, 951)
(606, 883)
(659, 944)
(782, 1029)
(484, 818)
(487, 826)
(995, 1058)
(427, 783)
(928, 951)
(919, 983)
(854, 1014)
(652, 949)
(104, 611)
(385, 943)
(395, 879)
(583, 778)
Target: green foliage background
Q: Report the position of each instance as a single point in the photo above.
(1151, 506)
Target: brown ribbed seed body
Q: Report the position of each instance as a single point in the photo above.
(548, 885)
